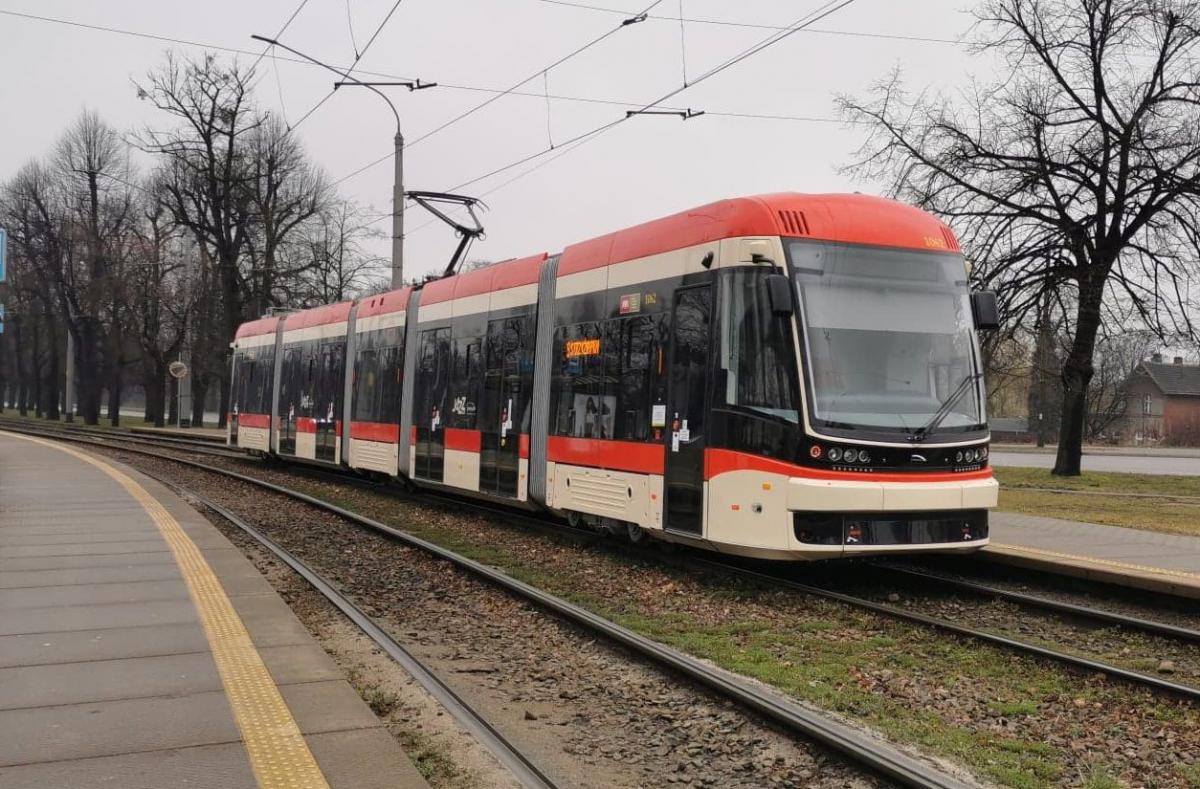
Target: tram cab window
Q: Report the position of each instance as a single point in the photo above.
(757, 365)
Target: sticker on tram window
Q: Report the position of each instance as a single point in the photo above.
(576, 348)
(631, 302)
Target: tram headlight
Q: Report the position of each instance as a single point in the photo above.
(958, 456)
(863, 456)
(834, 454)
(984, 452)
(849, 455)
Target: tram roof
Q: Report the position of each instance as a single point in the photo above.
(318, 316)
(384, 303)
(498, 276)
(849, 218)
(258, 327)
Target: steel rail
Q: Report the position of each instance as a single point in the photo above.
(859, 748)
(470, 718)
(1134, 677)
(1058, 606)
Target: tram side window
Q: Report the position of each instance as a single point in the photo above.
(585, 395)
(328, 385)
(466, 380)
(640, 363)
(758, 358)
(291, 383)
(365, 406)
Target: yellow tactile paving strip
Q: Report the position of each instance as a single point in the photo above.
(278, 754)
(1141, 568)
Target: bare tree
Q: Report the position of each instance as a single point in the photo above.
(205, 189)
(331, 251)
(284, 193)
(1077, 172)
(92, 164)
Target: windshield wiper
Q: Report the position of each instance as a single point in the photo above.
(944, 409)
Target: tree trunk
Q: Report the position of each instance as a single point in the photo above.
(1077, 374)
(87, 369)
(50, 386)
(200, 385)
(36, 366)
(173, 401)
(114, 393)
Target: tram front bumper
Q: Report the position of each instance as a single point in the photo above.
(818, 495)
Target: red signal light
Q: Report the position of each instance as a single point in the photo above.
(814, 451)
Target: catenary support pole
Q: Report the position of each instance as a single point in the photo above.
(398, 214)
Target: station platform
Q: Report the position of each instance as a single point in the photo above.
(139, 648)
(1168, 563)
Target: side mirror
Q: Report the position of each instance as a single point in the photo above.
(985, 310)
(779, 293)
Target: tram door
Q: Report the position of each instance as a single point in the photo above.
(504, 394)
(429, 406)
(691, 320)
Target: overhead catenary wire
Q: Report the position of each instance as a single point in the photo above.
(463, 115)
(761, 26)
(821, 12)
(281, 31)
(346, 72)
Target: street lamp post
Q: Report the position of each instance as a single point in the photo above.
(398, 142)
(398, 174)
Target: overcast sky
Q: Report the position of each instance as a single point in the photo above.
(642, 169)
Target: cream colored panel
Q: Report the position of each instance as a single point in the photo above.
(648, 269)
(980, 494)
(412, 459)
(387, 320)
(462, 469)
(918, 496)
(589, 281)
(656, 501)
(327, 331)
(374, 455)
(255, 341)
(253, 438)
(519, 296)
(611, 494)
(826, 495)
(471, 305)
(435, 312)
(749, 508)
(306, 445)
(523, 480)
(741, 251)
(551, 471)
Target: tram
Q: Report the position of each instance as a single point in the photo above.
(784, 376)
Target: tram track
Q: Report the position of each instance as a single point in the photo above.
(779, 579)
(865, 752)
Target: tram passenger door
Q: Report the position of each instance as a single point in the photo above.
(683, 482)
(429, 408)
(503, 405)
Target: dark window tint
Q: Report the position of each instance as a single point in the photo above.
(756, 366)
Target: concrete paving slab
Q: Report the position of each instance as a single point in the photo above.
(82, 548)
(89, 645)
(93, 594)
(91, 617)
(202, 767)
(70, 562)
(108, 728)
(89, 576)
(362, 760)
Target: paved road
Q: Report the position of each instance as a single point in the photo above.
(1137, 464)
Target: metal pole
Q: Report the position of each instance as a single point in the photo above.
(69, 394)
(398, 213)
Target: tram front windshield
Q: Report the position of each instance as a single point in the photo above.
(889, 338)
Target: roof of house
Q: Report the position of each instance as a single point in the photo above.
(1173, 379)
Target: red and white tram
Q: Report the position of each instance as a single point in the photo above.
(785, 376)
